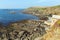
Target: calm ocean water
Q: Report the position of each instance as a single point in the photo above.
(12, 15)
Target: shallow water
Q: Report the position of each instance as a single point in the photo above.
(7, 16)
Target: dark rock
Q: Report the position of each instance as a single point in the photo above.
(23, 30)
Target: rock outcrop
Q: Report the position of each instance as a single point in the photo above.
(23, 30)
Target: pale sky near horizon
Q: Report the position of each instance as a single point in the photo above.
(6, 4)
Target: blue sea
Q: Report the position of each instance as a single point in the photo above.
(12, 15)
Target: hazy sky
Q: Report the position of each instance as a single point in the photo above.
(27, 3)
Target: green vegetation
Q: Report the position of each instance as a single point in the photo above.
(44, 10)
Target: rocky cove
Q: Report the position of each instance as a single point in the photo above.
(29, 25)
(20, 26)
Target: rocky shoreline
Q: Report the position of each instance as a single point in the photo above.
(23, 30)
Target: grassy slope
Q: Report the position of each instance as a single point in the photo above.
(54, 33)
(44, 10)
